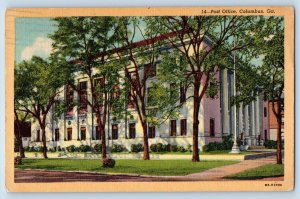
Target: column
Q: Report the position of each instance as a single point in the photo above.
(225, 103)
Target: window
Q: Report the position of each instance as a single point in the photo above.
(69, 98)
(150, 70)
(212, 127)
(83, 97)
(98, 84)
(98, 133)
(265, 111)
(114, 131)
(69, 134)
(38, 135)
(56, 135)
(82, 133)
(151, 131)
(266, 135)
(131, 130)
(130, 103)
(183, 127)
(182, 94)
(173, 128)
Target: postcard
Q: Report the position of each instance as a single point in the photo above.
(150, 99)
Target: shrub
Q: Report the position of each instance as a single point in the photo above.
(153, 147)
(137, 148)
(117, 148)
(98, 148)
(32, 149)
(26, 149)
(84, 148)
(270, 144)
(173, 148)
(72, 148)
(52, 150)
(59, 149)
(108, 163)
(39, 149)
(181, 149)
(18, 160)
(189, 148)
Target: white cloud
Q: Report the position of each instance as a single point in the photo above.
(41, 47)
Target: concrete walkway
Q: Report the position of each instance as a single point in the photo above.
(220, 172)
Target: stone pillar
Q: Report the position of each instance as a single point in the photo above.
(253, 121)
(240, 119)
(246, 124)
(225, 103)
(257, 117)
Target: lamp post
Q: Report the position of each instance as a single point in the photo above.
(235, 148)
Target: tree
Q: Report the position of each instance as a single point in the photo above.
(139, 61)
(204, 45)
(20, 118)
(81, 46)
(37, 88)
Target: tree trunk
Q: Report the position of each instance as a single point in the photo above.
(19, 141)
(146, 144)
(103, 137)
(279, 144)
(44, 142)
(21, 148)
(195, 157)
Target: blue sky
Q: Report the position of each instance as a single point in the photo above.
(31, 37)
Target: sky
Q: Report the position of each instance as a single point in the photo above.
(31, 37)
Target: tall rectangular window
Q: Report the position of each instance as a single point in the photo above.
(83, 97)
(265, 112)
(183, 127)
(182, 94)
(69, 134)
(99, 84)
(98, 133)
(38, 135)
(82, 133)
(114, 132)
(212, 127)
(130, 102)
(69, 98)
(131, 130)
(151, 131)
(56, 135)
(149, 70)
(173, 128)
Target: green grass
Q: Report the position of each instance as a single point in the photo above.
(142, 167)
(269, 170)
(223, 152)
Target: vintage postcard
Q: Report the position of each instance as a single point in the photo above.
(150, 99)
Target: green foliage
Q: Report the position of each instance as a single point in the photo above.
(159, 147)
(84, 148)
(72, 148)
(135, 148)
(226, 144)
(270, 144)
(97, 147)
(108, 163)
(117, 148)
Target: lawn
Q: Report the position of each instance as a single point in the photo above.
(142, 167)
(269, 170)
(222, 152)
